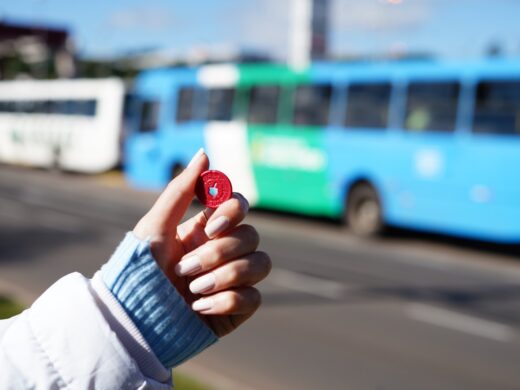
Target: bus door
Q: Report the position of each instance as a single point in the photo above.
(286, 138)
(184, 126)
(490, 161)
(226, 138)
(428, 188)
(142, 146)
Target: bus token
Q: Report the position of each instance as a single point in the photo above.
(213, 188)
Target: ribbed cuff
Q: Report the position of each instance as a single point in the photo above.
(171, 328)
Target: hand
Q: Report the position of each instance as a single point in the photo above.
(210, 259)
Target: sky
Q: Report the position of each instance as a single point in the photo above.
(444, 28)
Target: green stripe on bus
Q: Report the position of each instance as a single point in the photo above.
(269, 74)
(289, 166)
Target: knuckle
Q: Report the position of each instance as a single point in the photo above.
(233, 276)
(217, 254)
(179, 187)
(231, 301)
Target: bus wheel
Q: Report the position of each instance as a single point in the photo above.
(363, 211)
(176, 170)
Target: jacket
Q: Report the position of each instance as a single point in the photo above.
(123, 329)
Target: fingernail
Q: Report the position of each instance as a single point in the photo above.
(188, 266)
(196, 156)
(202, 304)
(203, 284)
(214, 228)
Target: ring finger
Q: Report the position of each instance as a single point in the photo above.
(246, 271)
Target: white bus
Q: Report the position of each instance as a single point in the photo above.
(74, 125)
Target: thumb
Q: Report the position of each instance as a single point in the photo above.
(172, 204)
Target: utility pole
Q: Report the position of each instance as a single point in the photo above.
(309, 32)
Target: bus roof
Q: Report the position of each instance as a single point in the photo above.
(265, 73)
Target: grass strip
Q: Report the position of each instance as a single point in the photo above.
(8, 307)
(185, 382)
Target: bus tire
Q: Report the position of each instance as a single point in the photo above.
(176, 170)
(364, 214)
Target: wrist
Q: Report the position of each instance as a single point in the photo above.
(173, 331)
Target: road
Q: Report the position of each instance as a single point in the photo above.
(404, 312)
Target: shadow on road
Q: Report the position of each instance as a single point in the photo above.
(27, 244)
(406, 236)
(497, 302)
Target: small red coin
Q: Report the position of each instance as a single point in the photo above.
(213, 188)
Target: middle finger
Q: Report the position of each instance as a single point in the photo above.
(242, 240)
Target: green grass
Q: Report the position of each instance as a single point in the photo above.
(184, 382)
(8, 307)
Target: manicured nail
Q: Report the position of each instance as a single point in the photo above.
(203, 284)
(188, 266)
(214, 228)
(202, 304)
(196, 156)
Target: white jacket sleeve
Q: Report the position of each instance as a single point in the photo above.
(87, 334)
(64, 342)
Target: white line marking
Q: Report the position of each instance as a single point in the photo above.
(461, 322)
(307, 284)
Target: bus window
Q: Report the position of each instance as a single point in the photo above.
(74, 107)
(497, 107)
(184, 105)
(89, 107)
(263, 104)
(40, 107)
(220, 104)
(432, 106)
(149, 116)
(200, 104)
(311, 105)
(367, 105)
(60, 107)
(24, 106)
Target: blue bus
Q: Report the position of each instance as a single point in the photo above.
(425, 145)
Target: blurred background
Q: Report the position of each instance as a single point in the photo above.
(378, 142)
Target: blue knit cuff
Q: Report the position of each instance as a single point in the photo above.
(172, 329)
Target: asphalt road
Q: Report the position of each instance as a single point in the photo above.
(409, 311)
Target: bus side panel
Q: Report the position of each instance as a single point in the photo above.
(228, 149)
(464, 187)
(290, 168)
(490, 179)
(289, 162)
(360, 155)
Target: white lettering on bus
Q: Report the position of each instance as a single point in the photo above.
(287, 153)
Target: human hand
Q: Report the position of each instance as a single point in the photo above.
(210, 259)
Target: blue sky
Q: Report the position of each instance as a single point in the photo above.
(447, 28)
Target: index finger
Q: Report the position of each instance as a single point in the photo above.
(173, 202)
(211, 223)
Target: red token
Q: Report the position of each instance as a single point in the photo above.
(213, 188)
